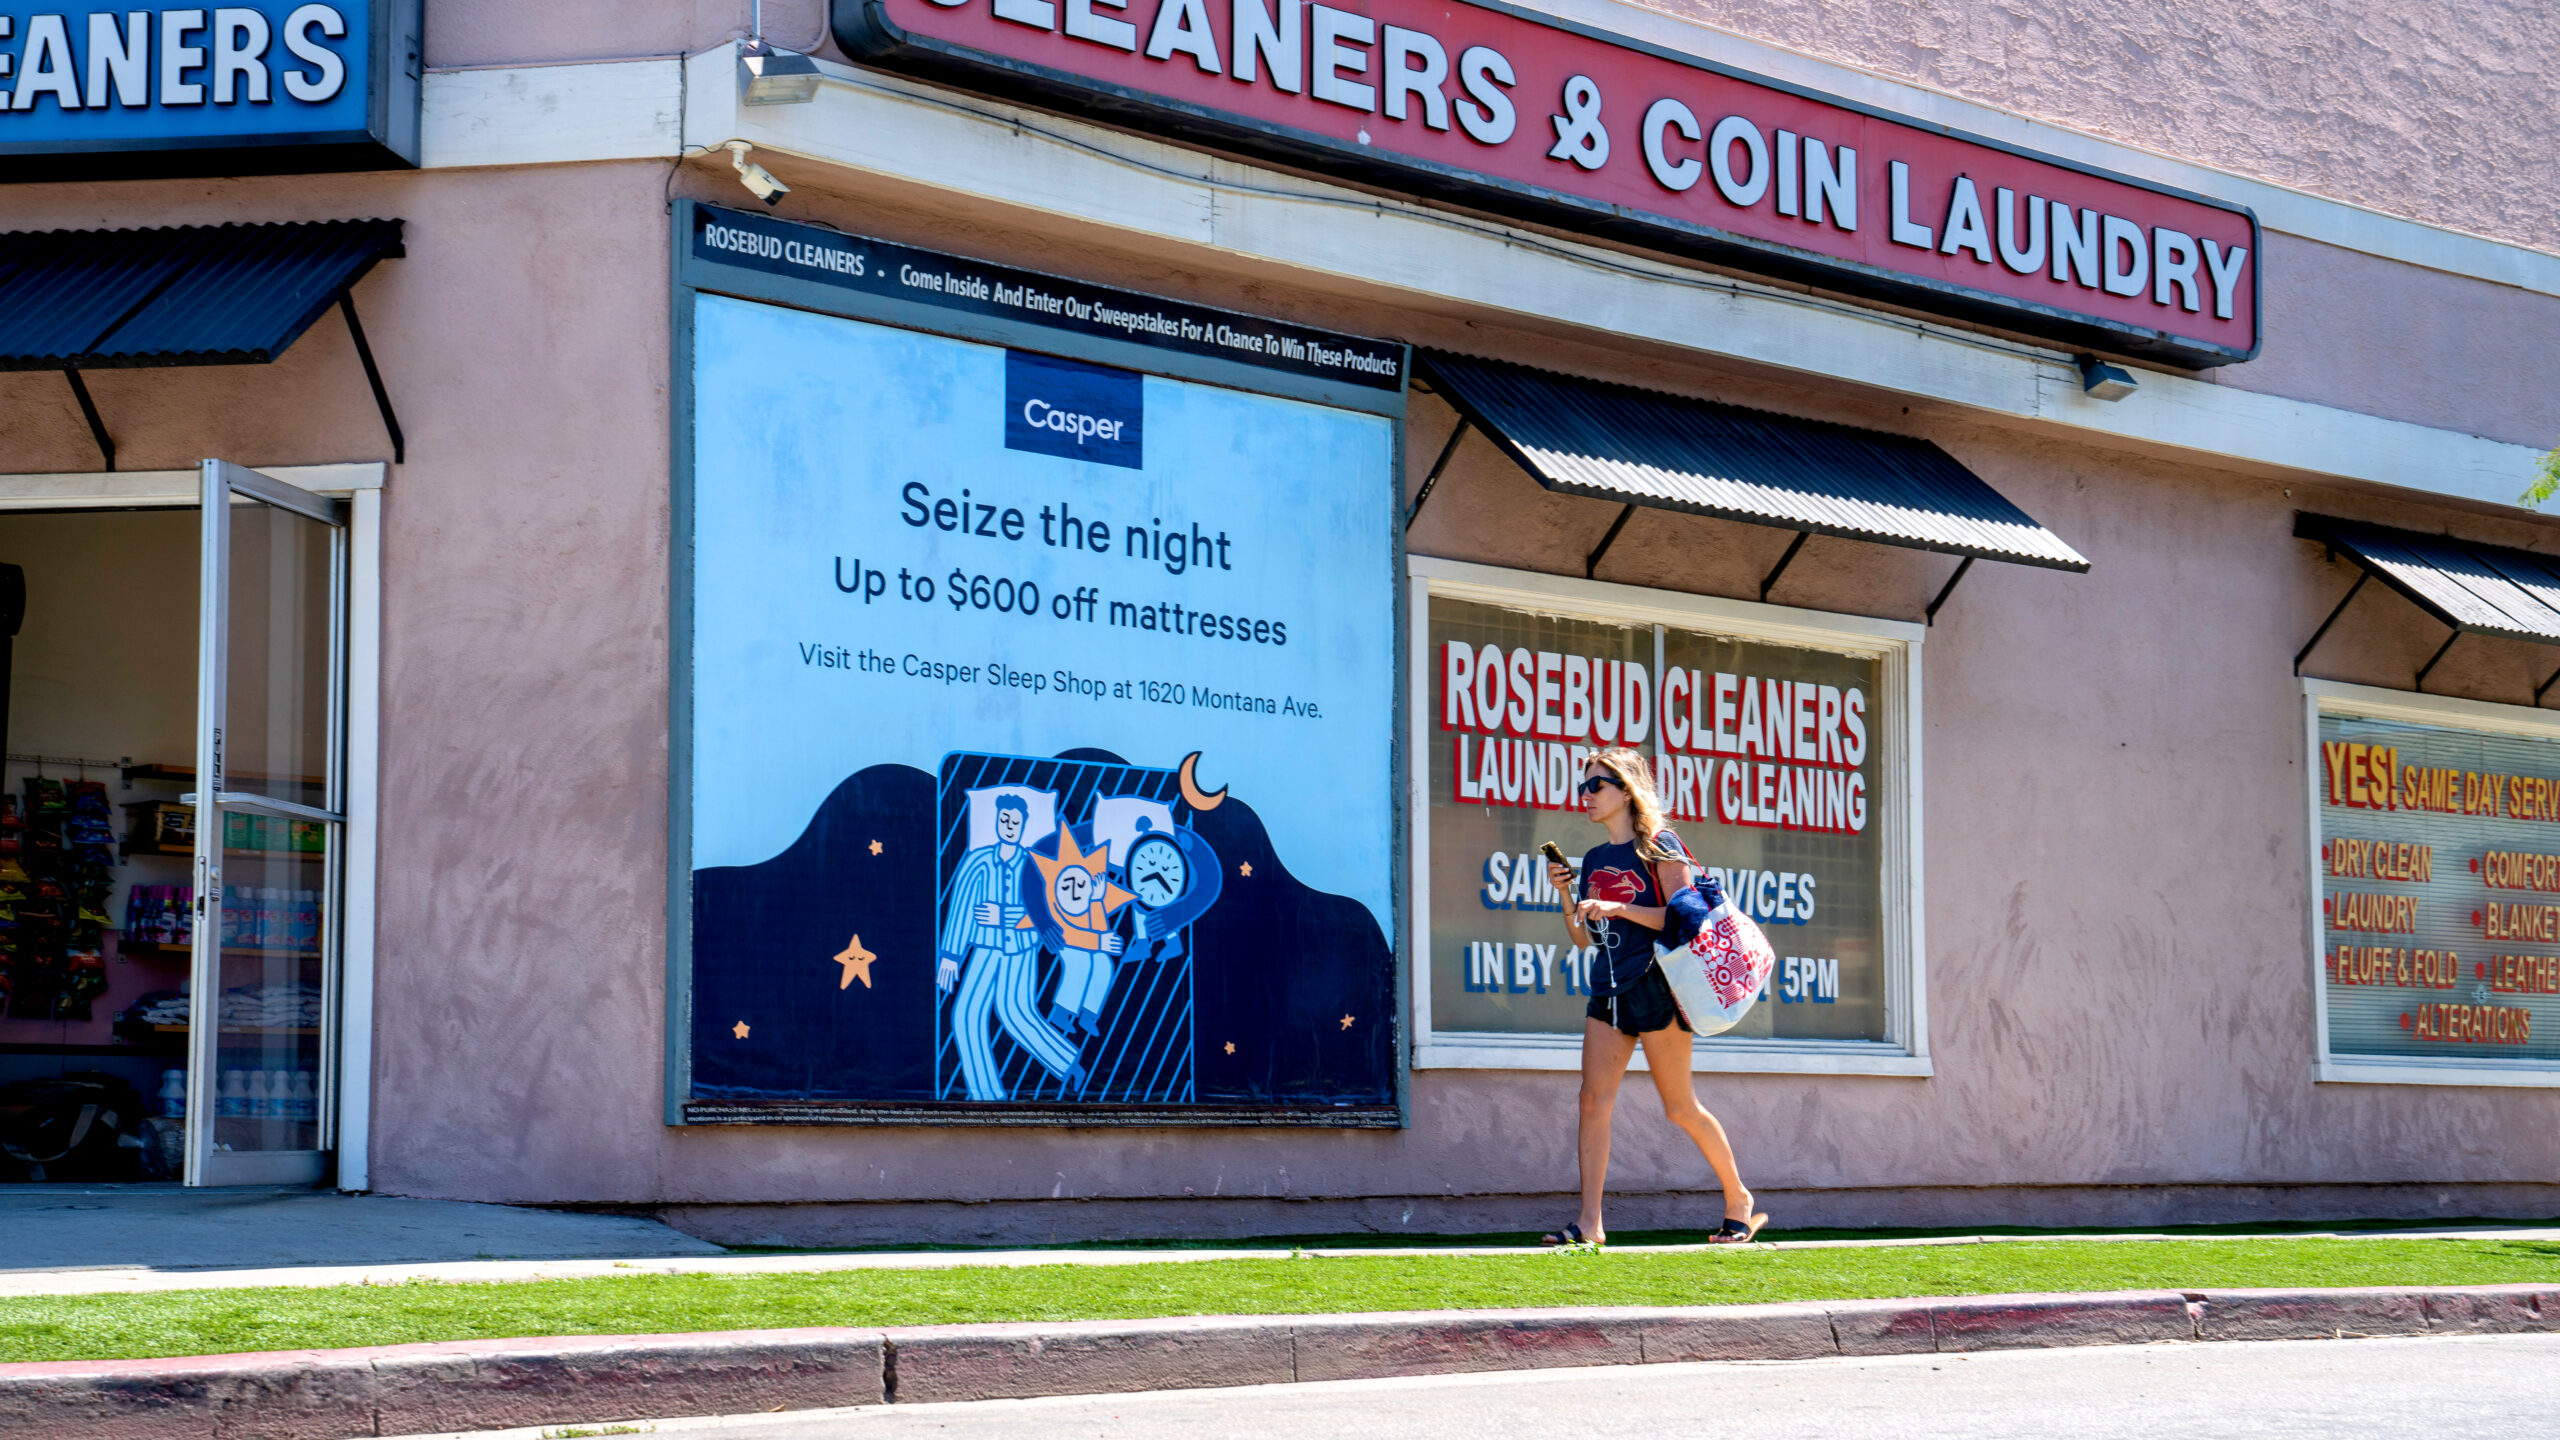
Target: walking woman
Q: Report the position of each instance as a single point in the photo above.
(1622, 900)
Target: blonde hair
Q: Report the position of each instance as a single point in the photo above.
(1634, 775)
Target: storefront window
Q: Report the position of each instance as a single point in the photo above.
(1776, 755)
(2436, 884)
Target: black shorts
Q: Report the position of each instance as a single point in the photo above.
(1640, 1009)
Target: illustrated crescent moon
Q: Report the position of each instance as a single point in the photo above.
(1192, 794)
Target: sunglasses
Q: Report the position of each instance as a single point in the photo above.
(1591, 783)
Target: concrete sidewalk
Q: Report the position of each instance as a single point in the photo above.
(167, 1231)
(495, 1384)
(525, 1226)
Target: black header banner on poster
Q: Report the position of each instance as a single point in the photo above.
(876, 267)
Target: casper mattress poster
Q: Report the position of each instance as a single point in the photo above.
(1041, 719)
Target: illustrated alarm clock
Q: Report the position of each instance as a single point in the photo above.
(1158, 871)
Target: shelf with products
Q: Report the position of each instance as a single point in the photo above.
(186, 775)
(57, 887)
(280, 922)
(229, 852)
(237, 1029)
(168, 827)
(155, 947)
(263, 1133)
(89, 1052)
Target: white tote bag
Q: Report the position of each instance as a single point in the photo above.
(1719, 972)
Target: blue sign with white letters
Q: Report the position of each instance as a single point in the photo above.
(266, 86)
(1073, 410)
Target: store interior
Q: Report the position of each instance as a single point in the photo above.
(96, 858)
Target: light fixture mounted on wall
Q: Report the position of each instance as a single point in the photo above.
(767, 76)
(2103, 381)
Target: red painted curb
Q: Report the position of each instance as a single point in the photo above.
(1099, 1357)
(449, 1385)
(2351, 1314)
(494, 1384)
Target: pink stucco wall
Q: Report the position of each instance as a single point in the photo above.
(2118, 963)
(2118, 958)
(2436, 113)
(2424, 114)
(2385, 338)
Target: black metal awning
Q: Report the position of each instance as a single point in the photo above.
(77, 300)
(1645, 449)
(2471, 588)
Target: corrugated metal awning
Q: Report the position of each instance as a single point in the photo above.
(1669, 452)
(196, 295)
(75, 300)
(2481, 589)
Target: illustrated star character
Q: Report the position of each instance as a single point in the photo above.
(1346, 1022)
(857, 964)
(1245, 868)
(739, 1029)
(1231, 1047)
(875, 847)
(1082, 898)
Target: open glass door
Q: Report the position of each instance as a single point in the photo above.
(269, 811)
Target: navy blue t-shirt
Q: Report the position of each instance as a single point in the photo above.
(1616, 872)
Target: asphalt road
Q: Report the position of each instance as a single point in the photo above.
(2329, 1389)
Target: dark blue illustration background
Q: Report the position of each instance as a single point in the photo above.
(1292, 989)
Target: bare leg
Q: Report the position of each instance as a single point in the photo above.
(1666, 1055)
(1605, 1052)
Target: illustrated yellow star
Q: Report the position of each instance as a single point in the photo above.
(875, 847)
(1231, 1047)
(1245, 869)
(739, 1029)
(857, 964)
(1346, 1022)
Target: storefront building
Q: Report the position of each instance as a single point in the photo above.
(962, 621)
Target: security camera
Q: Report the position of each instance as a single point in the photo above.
(758, 180)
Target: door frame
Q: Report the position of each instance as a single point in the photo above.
(220, 483)
(360, 484)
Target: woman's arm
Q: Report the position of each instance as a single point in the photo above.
(1562, 877)
(1648, 916)
(1672, 875)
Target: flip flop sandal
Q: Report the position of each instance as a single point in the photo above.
(1739, 1232)
(1570, 1234)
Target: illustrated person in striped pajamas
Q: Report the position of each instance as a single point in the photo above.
(989, 951)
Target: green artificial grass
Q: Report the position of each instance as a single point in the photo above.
(1441, 1240)
(199, 1322)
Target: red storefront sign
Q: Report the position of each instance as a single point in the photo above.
(1502, 110)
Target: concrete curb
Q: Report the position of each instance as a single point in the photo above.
(495, 1384)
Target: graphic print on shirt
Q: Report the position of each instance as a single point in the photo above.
(1612, 883)
(1615, 871)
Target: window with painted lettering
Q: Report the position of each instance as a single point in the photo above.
(2436, 887)
(1778, 757)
